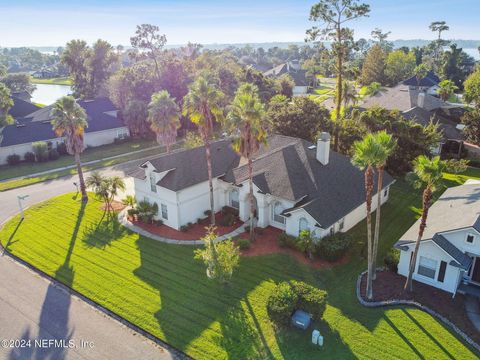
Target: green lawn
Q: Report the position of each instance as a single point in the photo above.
(90, 154)
(53, 81)
(162, 289)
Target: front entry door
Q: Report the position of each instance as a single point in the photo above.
(476, 270)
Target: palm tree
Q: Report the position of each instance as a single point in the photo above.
(446, 89)
(349, 94)
(386, 147)
(245, 121)
(164, 118)
(365, 157)
(70, 120)
(202, 105)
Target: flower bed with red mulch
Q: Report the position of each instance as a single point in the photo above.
(389, 286)
(266, 242)
(194, 232)
(116, 206)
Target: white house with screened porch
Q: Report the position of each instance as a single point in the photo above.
(297, 185)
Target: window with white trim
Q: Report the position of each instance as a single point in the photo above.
(164, 209)
(153, 182)
(427, 267)
(303, 225)
(385, 192)
(234, 199)
(470, 238)
(341, 224)
(277, 209)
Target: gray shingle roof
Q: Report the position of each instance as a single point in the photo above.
(463, 261)
(36, 126)
(21, 108)
(298, 76)
(457, 208)
(429, 80)
(286, 168)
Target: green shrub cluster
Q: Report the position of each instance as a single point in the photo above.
(391, 259)
(227, 220)
(243, 244)
(287, 297)
(333, 247)
(13, 159)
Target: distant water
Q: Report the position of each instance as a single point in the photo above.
(47, 94)
(473, 53)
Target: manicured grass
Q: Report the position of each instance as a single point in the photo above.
(162, 289)
(90, 154)
(53, 81)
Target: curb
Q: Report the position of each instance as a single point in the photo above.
(122, 219)
(177, 354)
(394, 302)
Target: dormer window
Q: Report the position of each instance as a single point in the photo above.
(153, 184)
(470, 238)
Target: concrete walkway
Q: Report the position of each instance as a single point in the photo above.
(472, 307)
(122, 218)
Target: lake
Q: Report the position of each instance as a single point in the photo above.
(47, 94)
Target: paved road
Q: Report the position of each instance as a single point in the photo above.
(45, 190)
(32, 308)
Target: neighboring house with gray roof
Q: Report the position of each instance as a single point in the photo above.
(293, 69)
(103, 128)
(297, 185)
(449, 253)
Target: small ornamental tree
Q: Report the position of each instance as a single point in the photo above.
(221, 258)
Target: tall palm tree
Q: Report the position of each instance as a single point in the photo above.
(365, 157)
(202, 105)
(245, 121)
(427, 173)
(386, 146)
(70, 120)
(164, 118)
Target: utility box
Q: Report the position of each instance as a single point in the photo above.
(317, 339)
(301, 319)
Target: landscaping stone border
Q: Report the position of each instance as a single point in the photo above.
(395, 302)
(123, 219)
(177, 354)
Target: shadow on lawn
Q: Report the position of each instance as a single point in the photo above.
(10, 240)
(102, 234)
(54, 316)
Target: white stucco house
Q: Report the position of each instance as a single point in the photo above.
(297, 185)
(449, 252)
(103, 128)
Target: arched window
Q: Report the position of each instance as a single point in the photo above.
(277, 209)
(234, 202)
(153, 183)
(303, 225)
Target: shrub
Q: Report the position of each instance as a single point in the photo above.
(184, 228)
(333, 247)
(158, 222)
(207, 212)
(391, 260)
(285, 240)
(53, 154)
(129, 200)
(132, 212)
(287, 297)
(62, 149)
(29, 157)
(243, 244)
(40, 148)
(147, 211)
(310, 299)
(247, 228)
(281, 303)
(199, 221)
(229, 210)
(13, 159)
(305, 243)
(227, 220)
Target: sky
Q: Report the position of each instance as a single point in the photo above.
(54, 22)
